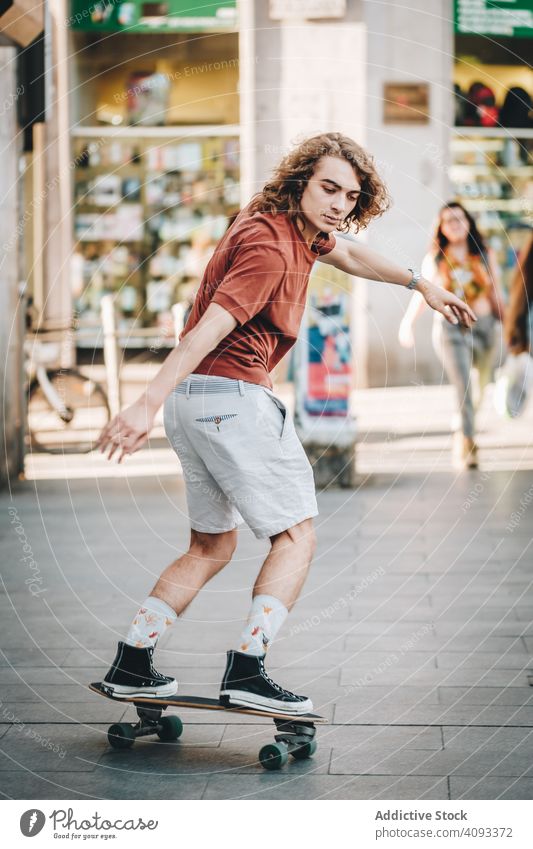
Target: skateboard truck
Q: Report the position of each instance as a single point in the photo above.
(122, 735)
(294, 732)
(296, 738)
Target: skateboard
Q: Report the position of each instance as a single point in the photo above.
(295, 735)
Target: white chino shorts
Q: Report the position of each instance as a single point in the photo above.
(240, 455)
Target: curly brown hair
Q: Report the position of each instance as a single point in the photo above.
(283, 192)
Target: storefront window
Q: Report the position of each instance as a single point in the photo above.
(492, 147)
(155, 144)
(148, 215)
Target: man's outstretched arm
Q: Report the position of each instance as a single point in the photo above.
(130, 429)
(361, 261)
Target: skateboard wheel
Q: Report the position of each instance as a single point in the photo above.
(121, 735)
(307, 750)
(273, 756)
(170, 728)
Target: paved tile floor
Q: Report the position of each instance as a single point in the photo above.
(413, 635)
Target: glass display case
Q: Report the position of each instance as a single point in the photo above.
(492, 174)
(149, 209)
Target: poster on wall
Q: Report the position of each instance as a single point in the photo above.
(406, 103)
(327, 374)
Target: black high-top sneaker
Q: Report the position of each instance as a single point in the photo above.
(132, 674)
(246, 684)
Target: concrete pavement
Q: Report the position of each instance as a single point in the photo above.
(413, 635)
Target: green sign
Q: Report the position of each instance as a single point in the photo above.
(511, 18)
(139, 16)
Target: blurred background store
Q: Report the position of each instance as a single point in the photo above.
(155, 141)
(491, 163)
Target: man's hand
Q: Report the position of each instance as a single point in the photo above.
(452, 308)
(127, 431)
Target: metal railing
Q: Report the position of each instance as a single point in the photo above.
(111, 335)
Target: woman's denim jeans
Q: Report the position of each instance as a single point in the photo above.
(460, 349)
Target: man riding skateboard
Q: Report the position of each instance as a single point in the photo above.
(236, 441)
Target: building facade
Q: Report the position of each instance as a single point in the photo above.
(158, 124)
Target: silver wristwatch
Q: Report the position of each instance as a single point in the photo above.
(414, 279)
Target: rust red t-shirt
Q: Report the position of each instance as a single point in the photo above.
(259, 273)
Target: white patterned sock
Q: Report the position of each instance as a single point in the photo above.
(150, 622)
(266, 617)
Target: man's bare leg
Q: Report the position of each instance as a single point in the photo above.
(285, 569)
(278, 586)
(245, 682)
(132, 672)
(185, 577)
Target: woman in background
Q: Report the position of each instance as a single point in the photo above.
(461, 262)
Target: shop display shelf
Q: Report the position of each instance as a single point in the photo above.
(494, 132)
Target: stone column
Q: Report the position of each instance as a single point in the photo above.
(282, 103)
(407, 43)
(332, 100)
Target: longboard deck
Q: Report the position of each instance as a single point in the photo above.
(201, 703)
